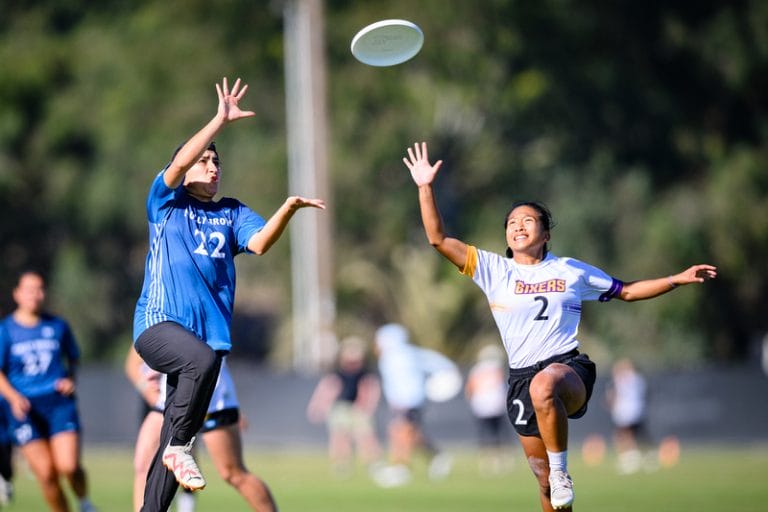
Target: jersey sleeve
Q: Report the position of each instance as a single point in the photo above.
(5, 343)
(160, 197)
(248, 223)
(596, 284)
(68, 343)
(484, 267)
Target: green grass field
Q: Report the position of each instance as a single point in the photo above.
(715, 479)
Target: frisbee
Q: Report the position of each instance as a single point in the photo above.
(443, 385)
(387, 42)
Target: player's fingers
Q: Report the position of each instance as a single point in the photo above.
(235, 87)
(410, 154)
(407, 164)
(225, 86)
(219, 92)
(417, 149)
(424, 151)
(242, 91)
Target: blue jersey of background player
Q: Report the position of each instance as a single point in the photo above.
(35, 358)
(38, 357)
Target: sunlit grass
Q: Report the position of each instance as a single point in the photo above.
(706, 479)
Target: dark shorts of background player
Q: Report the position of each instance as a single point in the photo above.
(490, 431)
(220, 419)
(519, 405)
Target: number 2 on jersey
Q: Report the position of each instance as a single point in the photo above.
(544, 303)
(220, 241)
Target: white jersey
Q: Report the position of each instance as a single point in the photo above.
(224, 394)
(537, 308)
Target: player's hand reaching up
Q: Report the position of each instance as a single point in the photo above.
(228, 101)
(422, 172)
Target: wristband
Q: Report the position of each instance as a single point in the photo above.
(669, 280)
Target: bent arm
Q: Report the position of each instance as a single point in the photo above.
(650, 288)
(273, 229)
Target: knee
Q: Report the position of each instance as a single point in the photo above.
(67, 470)
(234, 475)
(542, 390)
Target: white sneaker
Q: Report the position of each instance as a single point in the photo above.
(440, 466)
(560, 489)
(179, 460)
(6, 492)
(391, 476)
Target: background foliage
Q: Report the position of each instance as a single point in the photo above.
(643, 127)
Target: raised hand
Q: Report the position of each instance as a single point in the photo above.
(228, 101)
(422, 172)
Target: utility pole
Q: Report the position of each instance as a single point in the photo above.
(314, 307)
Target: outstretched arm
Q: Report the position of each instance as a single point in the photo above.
(650, 288)
(270, 233)
(423, 174)
(191, 151)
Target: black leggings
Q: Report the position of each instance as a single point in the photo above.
(192, 368)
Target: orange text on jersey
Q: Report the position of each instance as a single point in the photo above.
(551, 285)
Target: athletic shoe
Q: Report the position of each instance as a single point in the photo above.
(391, 476)
(440, 466)
(560, 489)
(6, 492)
(179, 460)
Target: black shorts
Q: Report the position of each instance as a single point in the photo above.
(519, 405)
(220, 419)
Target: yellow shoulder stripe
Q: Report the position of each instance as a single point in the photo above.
(471, 265)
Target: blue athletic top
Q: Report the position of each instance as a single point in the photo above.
(189, 277)
(32, 358)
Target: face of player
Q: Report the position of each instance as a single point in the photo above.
(29, 294)
(202, 179)
(526, 235)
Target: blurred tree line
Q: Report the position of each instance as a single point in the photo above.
(642, 125)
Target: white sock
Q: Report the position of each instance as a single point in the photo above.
(558, 460)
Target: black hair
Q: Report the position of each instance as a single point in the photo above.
(211, 146)
(545, 217)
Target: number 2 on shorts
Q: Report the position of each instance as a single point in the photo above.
(520, 411)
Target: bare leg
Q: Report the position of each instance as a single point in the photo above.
(65, 448)
(147, 443)
(40, 460)
(536, 455)
(225, 448)
(556, 392)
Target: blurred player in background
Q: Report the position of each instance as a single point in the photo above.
(535, 298)
(404, 369)
(221, 435)
(346, 400)
(38, 363)
(626, 396)
(182, 318)
(486, 392)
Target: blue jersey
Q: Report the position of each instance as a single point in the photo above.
(189, 277)
(33, 358)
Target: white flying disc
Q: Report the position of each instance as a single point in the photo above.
(387, 42)
(443, 385)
